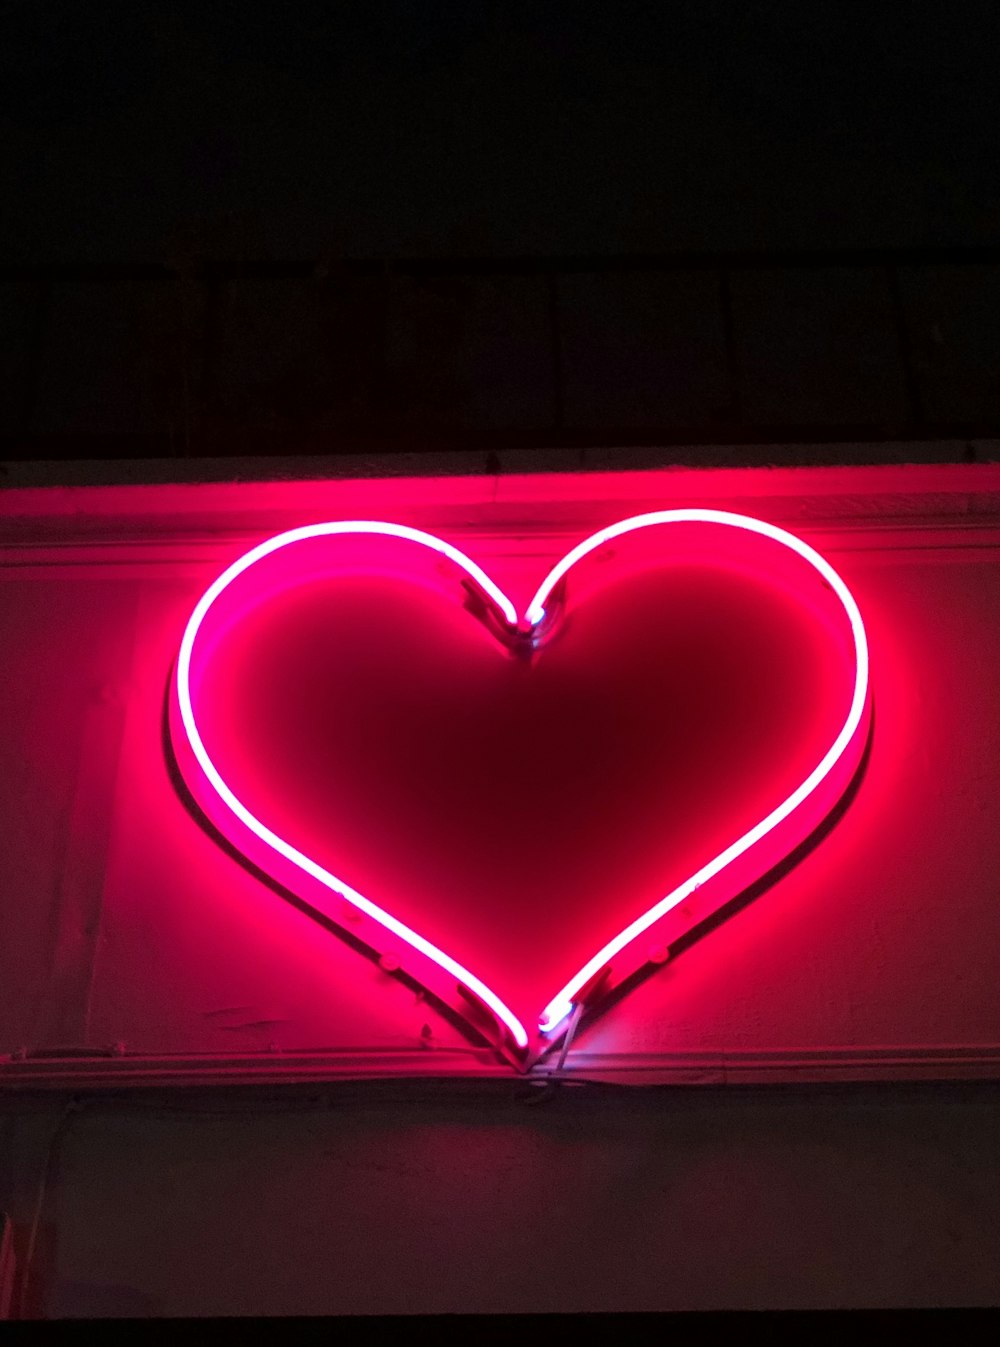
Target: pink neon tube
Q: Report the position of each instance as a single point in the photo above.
(271, 839)
(562, 1003)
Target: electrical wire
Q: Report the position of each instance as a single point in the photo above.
(568, 1037)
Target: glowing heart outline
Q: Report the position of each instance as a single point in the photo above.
(844, 754)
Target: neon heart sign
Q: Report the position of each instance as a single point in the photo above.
(290, 560)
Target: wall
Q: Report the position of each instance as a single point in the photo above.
(135, 955)
(423, 1202)
(129, 926)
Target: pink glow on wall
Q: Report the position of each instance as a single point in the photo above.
(798, 615)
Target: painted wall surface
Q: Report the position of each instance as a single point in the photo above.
(135, 952)
(127, 929)
(595, 1200)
